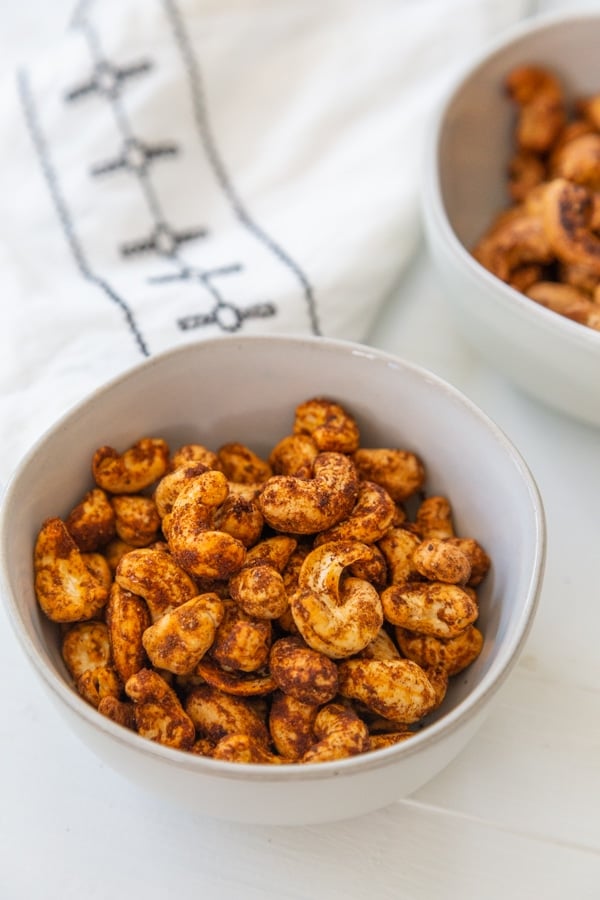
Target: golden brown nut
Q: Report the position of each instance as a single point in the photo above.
(513, 242)
(302, 672)
(242, 748)
(388, 739)
(259, 588)
(381, 647)
(567, 301)
(243, 465)
(97, 683)
(398, 547)
(239, 516)
(294, 455)
(194, 453)
(400, 472)
(442, 610)
(91, 523)
(129, 473)
(155, 576)
(240, 684)
(453, 654)
(242, 642)
(85, 645)
(158, 713)
(434, 518)
(480, 561)
(136, 519)
(542, 114)
(340, 733)
(66, 589)
(114, 551)
(373, 569)
(397, 689)
(439, 560)
(117, 710)
(179, 639)
(216, 715)
(579, 161)
(330, 426)
(525, 171)
(195, 545)
(171, 484)
(337, 616)
(98, 566)
(371, 516)
(291, 724)
(127, 617)
(305, 506)
(567, 210)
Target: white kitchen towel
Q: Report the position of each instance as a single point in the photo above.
(176, 169)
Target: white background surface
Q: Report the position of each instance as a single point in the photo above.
(516, 815)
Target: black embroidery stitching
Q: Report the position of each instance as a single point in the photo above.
(60, 206)
(135, 157)
(210, 148)
(163, 240)
(107, 79)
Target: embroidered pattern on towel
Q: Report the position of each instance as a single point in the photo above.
(180, 249)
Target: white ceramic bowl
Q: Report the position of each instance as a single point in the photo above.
(548, 356)
(246, 389)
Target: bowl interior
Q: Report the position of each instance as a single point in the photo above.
(476, 132)
(246, 389)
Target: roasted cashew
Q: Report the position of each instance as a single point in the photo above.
(91, 523)
(453, 654)
(337, 616)
(388, 739)
(158, 713)
(381, 647)
(525, 171)
(442, 610)
(397, 689)
(302, 672)
(513, 242)
(114, 551)
(242, 642)
(339, 732)
(567, 301)
(371, 516)
(137, 521)
(171, 484)
(330, 426)
(155, 576)
(97, 565)
(127, 617)
(179, 639)
(480, 561)
(239, 516)
(291, 724)
(400, 472)
(373, 569)
(542, 108)
(398, 547)
(118, 711)
(306, 506)
(567, 209)
(195, 545)
(194, 453)
(579, 161)
(242, 748)
(216, 715)
(294, 455)
(129, 473)
(85, 645)
(242, 465)
(258, 587)
(66, 589)
(434, 518)
(240, 684)
(439, 560)
(97, 683)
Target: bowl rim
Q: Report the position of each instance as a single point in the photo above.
(433, 206)
(429, 736)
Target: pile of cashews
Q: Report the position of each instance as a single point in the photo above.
(546, 244)
(280, 610)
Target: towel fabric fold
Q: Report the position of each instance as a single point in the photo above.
(177, 169)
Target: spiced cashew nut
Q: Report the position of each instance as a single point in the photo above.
(336, 615)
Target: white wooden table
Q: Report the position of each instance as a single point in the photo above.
(516, 815)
